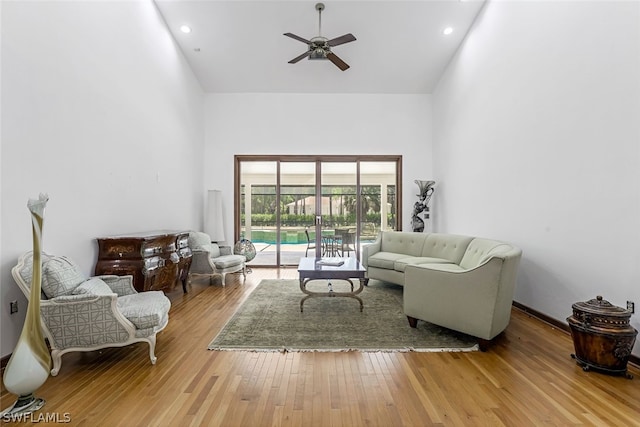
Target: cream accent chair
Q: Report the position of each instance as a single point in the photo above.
(79, 314)
(210, 259)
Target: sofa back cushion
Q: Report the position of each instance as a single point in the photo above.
(402, 242)
(480, 250)
(448, 246)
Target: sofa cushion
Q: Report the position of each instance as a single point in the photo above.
(384, 260)
(480, 250)
(227, 261)
(402, 243)
(447, 246)
(145, 309)
(93, 286)
(60, 276)
(401, 264)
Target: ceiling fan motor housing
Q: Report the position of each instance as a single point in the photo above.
(320, 47)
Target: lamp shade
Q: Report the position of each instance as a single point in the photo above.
(213, 222)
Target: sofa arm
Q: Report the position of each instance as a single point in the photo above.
(370, 249)
(476, 302)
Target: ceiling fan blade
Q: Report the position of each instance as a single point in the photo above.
(298, 58)
(341, 40)
(337, 61)
(300, 39)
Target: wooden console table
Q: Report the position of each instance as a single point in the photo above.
(157, 260)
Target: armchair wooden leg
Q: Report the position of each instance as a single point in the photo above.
(152, 348)
(223, 277)
(56, 358)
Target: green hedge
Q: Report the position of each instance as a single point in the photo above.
(293, 220)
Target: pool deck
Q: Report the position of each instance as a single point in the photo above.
(290, 254)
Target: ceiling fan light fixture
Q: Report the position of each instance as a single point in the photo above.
(319, 47)
(318, 54)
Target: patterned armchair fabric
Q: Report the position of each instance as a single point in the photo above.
(210, 259)
(81, 314)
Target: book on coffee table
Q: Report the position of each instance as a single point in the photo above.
(332, 261)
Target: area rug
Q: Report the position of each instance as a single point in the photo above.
(270, 320)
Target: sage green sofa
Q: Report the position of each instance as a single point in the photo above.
(460, 282)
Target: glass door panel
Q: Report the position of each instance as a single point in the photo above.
(339, 195)
(297, 211)
(378, 201)
(258, 222)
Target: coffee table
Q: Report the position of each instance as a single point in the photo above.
(309, 269)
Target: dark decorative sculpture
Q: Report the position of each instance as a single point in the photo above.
(426, 190)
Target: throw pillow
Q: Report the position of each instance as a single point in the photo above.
(93, 286)
(60, 276)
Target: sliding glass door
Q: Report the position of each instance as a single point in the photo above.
(255, 215)
(296, 206)
(298, 211)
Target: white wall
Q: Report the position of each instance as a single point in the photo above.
(269, 123)
(100, 111)
(537, 142)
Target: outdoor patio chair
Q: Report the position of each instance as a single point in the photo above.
(311, 244)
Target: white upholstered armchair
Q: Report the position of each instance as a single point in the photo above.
(80, 314)
(209, 259)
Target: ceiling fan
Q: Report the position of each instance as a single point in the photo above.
(320, 47)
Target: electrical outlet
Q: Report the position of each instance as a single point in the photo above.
(13, 307)
(631, 306)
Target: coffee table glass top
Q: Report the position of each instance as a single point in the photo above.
(310, 265)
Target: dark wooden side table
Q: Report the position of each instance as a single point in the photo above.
(310, 269)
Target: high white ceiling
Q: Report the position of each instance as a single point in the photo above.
(239, 46)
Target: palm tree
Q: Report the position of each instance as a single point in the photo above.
(370, 197)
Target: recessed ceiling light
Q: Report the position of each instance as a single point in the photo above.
(185, 29)
(447, 31)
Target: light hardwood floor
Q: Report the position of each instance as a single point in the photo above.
(528, 378)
